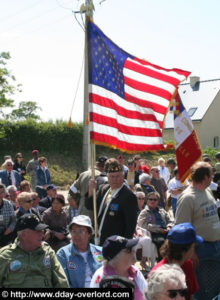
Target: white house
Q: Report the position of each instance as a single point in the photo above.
(202, 102)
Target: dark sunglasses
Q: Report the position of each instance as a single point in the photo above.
(28, 201)
(173, 293)
(152, 199)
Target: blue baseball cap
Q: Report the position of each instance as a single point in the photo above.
(182, 234)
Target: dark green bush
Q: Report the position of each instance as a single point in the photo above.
(45, 136)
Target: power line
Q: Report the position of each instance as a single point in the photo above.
(22, 36)
(20, 11)
(47, 25)
(82, 26)
(28, 21)
(60, 5)
(77, 87)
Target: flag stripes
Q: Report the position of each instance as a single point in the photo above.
(128, 97)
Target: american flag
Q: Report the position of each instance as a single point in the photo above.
(128, 97)
(188, 149)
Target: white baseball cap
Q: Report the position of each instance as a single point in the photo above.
(82, 220)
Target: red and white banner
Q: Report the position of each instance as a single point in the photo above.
(188, 149)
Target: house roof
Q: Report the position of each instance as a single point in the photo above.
(195, 99)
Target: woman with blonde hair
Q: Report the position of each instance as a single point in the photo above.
(25, 205)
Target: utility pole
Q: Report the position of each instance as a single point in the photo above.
(86, 8)
(88, 148)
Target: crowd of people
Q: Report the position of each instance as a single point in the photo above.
(143, 211)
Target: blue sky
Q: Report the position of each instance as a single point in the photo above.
(46, 43)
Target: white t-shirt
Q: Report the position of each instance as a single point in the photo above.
(164, 173)
(176, 184)
(88, 271)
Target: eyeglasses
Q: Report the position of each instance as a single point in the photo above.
(152, 199)
(28, 201)
(173, 293)
(80, 231)
(34, 199)
(157, 171)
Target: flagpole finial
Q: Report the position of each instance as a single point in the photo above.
(87, 8)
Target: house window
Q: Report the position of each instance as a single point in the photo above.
(216, 142)
(191, 111)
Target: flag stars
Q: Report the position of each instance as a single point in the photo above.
(107, 65)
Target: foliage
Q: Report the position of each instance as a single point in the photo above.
(7, 83)
(63, 147)
(211, 153)
(26, 110)
(45, 136)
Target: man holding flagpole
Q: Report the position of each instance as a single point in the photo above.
(128, 99)
(116, 204)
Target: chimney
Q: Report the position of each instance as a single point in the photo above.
(193, 81)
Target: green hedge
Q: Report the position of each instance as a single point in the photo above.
(45, 136)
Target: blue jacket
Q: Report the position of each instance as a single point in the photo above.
(40, 177)
(4, 178)
(74, 265)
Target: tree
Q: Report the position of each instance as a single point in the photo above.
(7, 83)
(26, 110)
